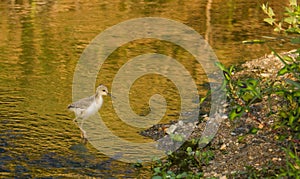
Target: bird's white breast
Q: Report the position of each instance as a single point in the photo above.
(93, 108)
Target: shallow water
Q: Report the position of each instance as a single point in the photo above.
(40, 44)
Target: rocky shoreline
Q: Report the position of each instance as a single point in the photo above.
(235, 147)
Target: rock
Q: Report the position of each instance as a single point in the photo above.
(223, 147)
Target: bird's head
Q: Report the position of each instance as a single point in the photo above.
(102, 90)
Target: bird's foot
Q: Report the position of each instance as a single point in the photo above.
(83, 136)
(84, 140)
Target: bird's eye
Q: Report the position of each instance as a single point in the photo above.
(103, 90)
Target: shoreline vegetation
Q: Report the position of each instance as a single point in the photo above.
(259, 136)
(248, 146)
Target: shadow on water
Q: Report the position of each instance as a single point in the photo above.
(77, 162)
(40, 44)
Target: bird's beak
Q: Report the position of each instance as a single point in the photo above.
(109, 94)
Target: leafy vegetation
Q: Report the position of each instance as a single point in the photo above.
(290, 23)
(184, 163)
(242, 93)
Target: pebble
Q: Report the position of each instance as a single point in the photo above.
(276, 159)
(181, 126)
(180, 123)
(260, 126)
(224, 117)
(233, 133)
(265, 75)
(223, 147)
(171, 129)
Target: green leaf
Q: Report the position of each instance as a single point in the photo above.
(295, 40)
(277, 29)
(156, 177)
(288, 10)
(291, 119)
(280, 92)
(296, 94)
(264, 7)
(202, 100)
(289, 20)
(227, 75)
(237, 112)
(247, 97)
(283, 70)
(241, 138)
(270, 12)
(277, 55)
(288, 59)
(176, 137)
(197, 154)
(182, 175)
(283, 114)
(269, 20)
(250, 86)
(157, 170)
(296, 84)
(189, 150)
(221, 66)
(242, 84)
(224, 84)
(255, 41)
(253, 130)
(294, 66)
(253, 82)
(231, 69)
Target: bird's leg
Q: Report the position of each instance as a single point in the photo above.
(75, 120)
(84, 140)
(81, 123)
(83, 135)
(83, 132)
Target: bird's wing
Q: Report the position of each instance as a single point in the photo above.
(82, 103)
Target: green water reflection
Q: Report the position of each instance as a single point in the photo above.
(40, 44)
